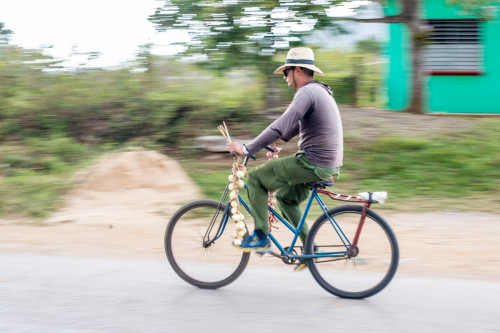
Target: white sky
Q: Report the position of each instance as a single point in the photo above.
(115, 28)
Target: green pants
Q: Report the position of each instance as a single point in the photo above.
(287, 177)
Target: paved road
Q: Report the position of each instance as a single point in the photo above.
(67, 294)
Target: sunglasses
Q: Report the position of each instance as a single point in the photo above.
(285, 71)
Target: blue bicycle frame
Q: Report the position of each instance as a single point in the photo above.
(296, 231)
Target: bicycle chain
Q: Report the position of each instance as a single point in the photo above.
(293, 261)
(319, 262)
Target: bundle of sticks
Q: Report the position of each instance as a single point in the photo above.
(225, 133)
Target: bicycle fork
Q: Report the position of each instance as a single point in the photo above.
(207, 240)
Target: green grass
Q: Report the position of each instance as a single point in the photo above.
(36, 172)
(212, 180)
(449, 166)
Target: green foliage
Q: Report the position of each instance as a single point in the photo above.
(4, 34)
(485, 9)
(35, 172)
(448, 166)
(356, 78)
(370, 45)
(344, 89)
(242, 33)
(53, 122)
(170, 102)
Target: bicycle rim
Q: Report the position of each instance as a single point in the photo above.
(372, 266)
(210, 266)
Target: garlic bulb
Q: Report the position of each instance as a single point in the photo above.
(271, 195)
(233, 195)
(236, 183)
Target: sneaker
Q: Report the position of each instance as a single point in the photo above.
(300, 266)
(303, 264)
(255, 243)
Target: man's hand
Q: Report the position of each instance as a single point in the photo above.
(236, 148)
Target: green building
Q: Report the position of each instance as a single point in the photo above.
(461, 60)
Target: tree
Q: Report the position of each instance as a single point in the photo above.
(239, 33)
(369, 45)
(4, 34)
(235, 32)
(480, 8)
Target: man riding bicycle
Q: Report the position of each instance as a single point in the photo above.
(313, 115)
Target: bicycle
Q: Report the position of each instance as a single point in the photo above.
(350, 251)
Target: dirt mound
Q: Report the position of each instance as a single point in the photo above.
(126, 187)
(135, 170)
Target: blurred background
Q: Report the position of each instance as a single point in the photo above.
(414, 81)
(108, 109)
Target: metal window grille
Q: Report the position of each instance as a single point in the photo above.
(454, 47)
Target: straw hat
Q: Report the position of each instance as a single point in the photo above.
(301, 57)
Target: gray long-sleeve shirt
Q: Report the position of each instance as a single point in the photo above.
(314, 115)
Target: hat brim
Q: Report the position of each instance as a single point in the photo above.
(280, 69)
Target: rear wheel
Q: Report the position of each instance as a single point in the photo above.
(194, 253)
(347, 271)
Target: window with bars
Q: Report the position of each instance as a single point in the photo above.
(454, 47)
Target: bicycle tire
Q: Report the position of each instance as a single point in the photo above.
(364, 274)
(209, 267)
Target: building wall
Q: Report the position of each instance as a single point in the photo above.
(398, 80)
(451, 94)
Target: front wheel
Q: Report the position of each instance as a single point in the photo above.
(193, 250)
(352, 271)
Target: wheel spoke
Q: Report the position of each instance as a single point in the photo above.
(371, 264)
(195, 254)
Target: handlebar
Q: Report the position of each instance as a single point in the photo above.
(253, 157)
(271, 149)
